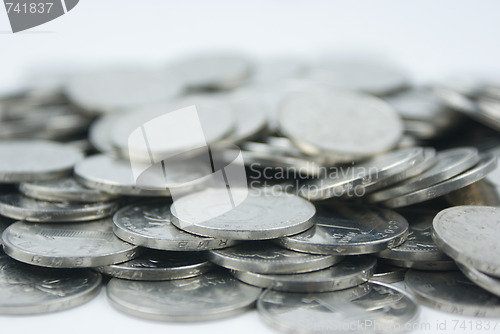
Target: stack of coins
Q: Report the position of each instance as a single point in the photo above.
(355, 180)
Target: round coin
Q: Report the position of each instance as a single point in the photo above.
(348, 273)
(72, 245)
(150, 225)
(27, 289)
(367, 125)
(159, 266)
(206, 297)
(35, 160)
(265, 257)
(349, 230)
(386, 307)
(452, 292)
(469, 235)
(259, 216)
(485, 281)
(66, 189)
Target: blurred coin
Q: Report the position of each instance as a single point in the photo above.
(486, 164)
(251, 116)
(35, 160)
(366, 124)
(149, 225)
(479, 193)
(159, 266)
(66, 189)
(348, 273)
(71, 245)
(368, 308)
(209, 296)
(485, 281)
(265, 257)
(449, 163)
(276, 69)
(4, 223)
(17, 206)
(452, 292)
(349, 230)
(30, 290)
(259, 216)
(385, 273)
(100, 132)
(469, 234)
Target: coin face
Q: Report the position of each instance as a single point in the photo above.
(348, 273)
(260, 215)
(150, 225)
(366, 125)
(349, 230)
(209, 296)
(333, 312)
(265, 257)
(452, 292)
(159, 266)
(27, 289)
(72, 245)
(34, 160)
(469, 234)
(17, 206)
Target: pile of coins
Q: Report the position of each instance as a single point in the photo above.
(354, 180)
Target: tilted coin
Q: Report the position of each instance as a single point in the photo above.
(452, 292)
(385, 273)
(211, 71)
(367, 125)
(72, 245)
(486, 164)
(449, 163)
(345, 181)
(485, 281)
(150, 225)
(259, 216)
(66, 189)
(100, 130)
(265, 257)
(27, 289)
(469, 234)
(209, 296)
(479, 193)
(251, 116)
(349, 230)
(419, 251)
(159, 266)
(441, 265)
(35, 160)
(368, 308)
(17, 206)
(346, 274)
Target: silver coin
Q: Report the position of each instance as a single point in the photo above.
(149, 225)
(481, 192)
(72, 245)
(421, 129)
(349, 230)
(120, 89)
(419, 250)
(206, 297)
(159, 266)
(17, 206)
(259, 216)
(66, 189)
(211, 71)
(367, 125)
(348, 273)
(368, 308)
(345, 181)
(251, 116)
(452, 292)
(485, 281)
(265, 257)
(4, 223)
(276, 69)
(489, 111)
(444, 265)
(361, 74)
(30, 290)
(385, 273)
(34, 160)
(449, 163)
(100, 130)
(486, 164)
(469, 235)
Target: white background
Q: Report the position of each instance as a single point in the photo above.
(430, 38)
